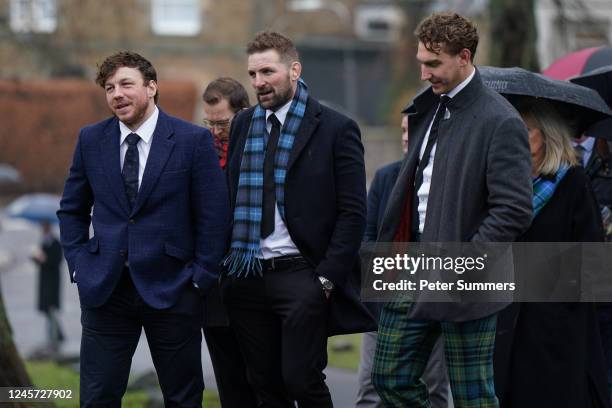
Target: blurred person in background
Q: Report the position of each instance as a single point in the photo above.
(224, 98)
(594, 155)
(556, 357)
(48, 259)
(435, 375)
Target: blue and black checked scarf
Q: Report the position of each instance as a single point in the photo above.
(241, 259)
(544, 188)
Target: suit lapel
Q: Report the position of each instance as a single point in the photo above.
(417, 124)
(109, 147)
(310, 121)
(161, 147)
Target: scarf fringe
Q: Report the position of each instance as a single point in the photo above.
(243, 263)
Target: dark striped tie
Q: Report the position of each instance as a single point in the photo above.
(130, 168)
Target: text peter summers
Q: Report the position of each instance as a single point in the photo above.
(460, 285)
(412, 264)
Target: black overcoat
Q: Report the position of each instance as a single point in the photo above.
(325, 204)
(555, 358)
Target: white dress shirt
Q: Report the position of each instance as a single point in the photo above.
(145, 131)
(278, 243)
(423, 192)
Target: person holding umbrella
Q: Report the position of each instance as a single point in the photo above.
(48, 258)
(548, 336)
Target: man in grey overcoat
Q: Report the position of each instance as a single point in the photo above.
(465, 179)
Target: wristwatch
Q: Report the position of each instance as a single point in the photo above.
(327, 284)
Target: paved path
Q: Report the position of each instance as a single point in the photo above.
(18, 278)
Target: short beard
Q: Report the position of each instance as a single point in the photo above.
(278, 100)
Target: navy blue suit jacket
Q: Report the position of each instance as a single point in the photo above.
(380, 189)
(379, 193)
(325, 204)
(177, 230)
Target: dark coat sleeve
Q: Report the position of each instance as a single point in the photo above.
(586, 224)
(508, 183)
(75, 209)
(349, 180)
(374, 198)
(210, 204)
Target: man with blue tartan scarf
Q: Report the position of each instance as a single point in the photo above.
(296, 177)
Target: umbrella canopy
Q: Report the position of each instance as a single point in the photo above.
(600, 80)
(9, 174)
(579, 62)
(581, 105)
(37, 207)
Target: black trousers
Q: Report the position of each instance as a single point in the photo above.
(110, 336)
(230, 369)
(280, 320)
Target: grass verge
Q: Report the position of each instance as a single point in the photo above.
(50, 375)
(347, 355)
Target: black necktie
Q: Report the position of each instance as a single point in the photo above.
(130, 168)
(418, 177)
(269, 185)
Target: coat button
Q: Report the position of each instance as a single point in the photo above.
(132, 221)
(122, 252)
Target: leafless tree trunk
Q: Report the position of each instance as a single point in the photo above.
(12, 369)
(513, 34)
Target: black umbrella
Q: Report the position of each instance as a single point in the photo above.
(600, 80)
(581, 105)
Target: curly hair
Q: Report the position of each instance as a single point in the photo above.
(448, 32)
(271, 40)
(126, 59)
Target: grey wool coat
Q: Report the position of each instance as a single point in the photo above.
(481, 189)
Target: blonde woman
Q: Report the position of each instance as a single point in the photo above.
(556, 358)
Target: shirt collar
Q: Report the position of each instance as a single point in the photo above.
(462, 85)
(588, 144)
(145, 131)
(281, 113)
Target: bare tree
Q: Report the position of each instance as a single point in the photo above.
(513, 34)
(12, 369)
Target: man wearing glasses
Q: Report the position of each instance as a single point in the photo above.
(223, 98)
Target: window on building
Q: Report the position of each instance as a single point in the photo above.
(378, 22)
(591, 33)
(176, 17)
(39, 16)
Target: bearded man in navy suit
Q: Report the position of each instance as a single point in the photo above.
(160, 220)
